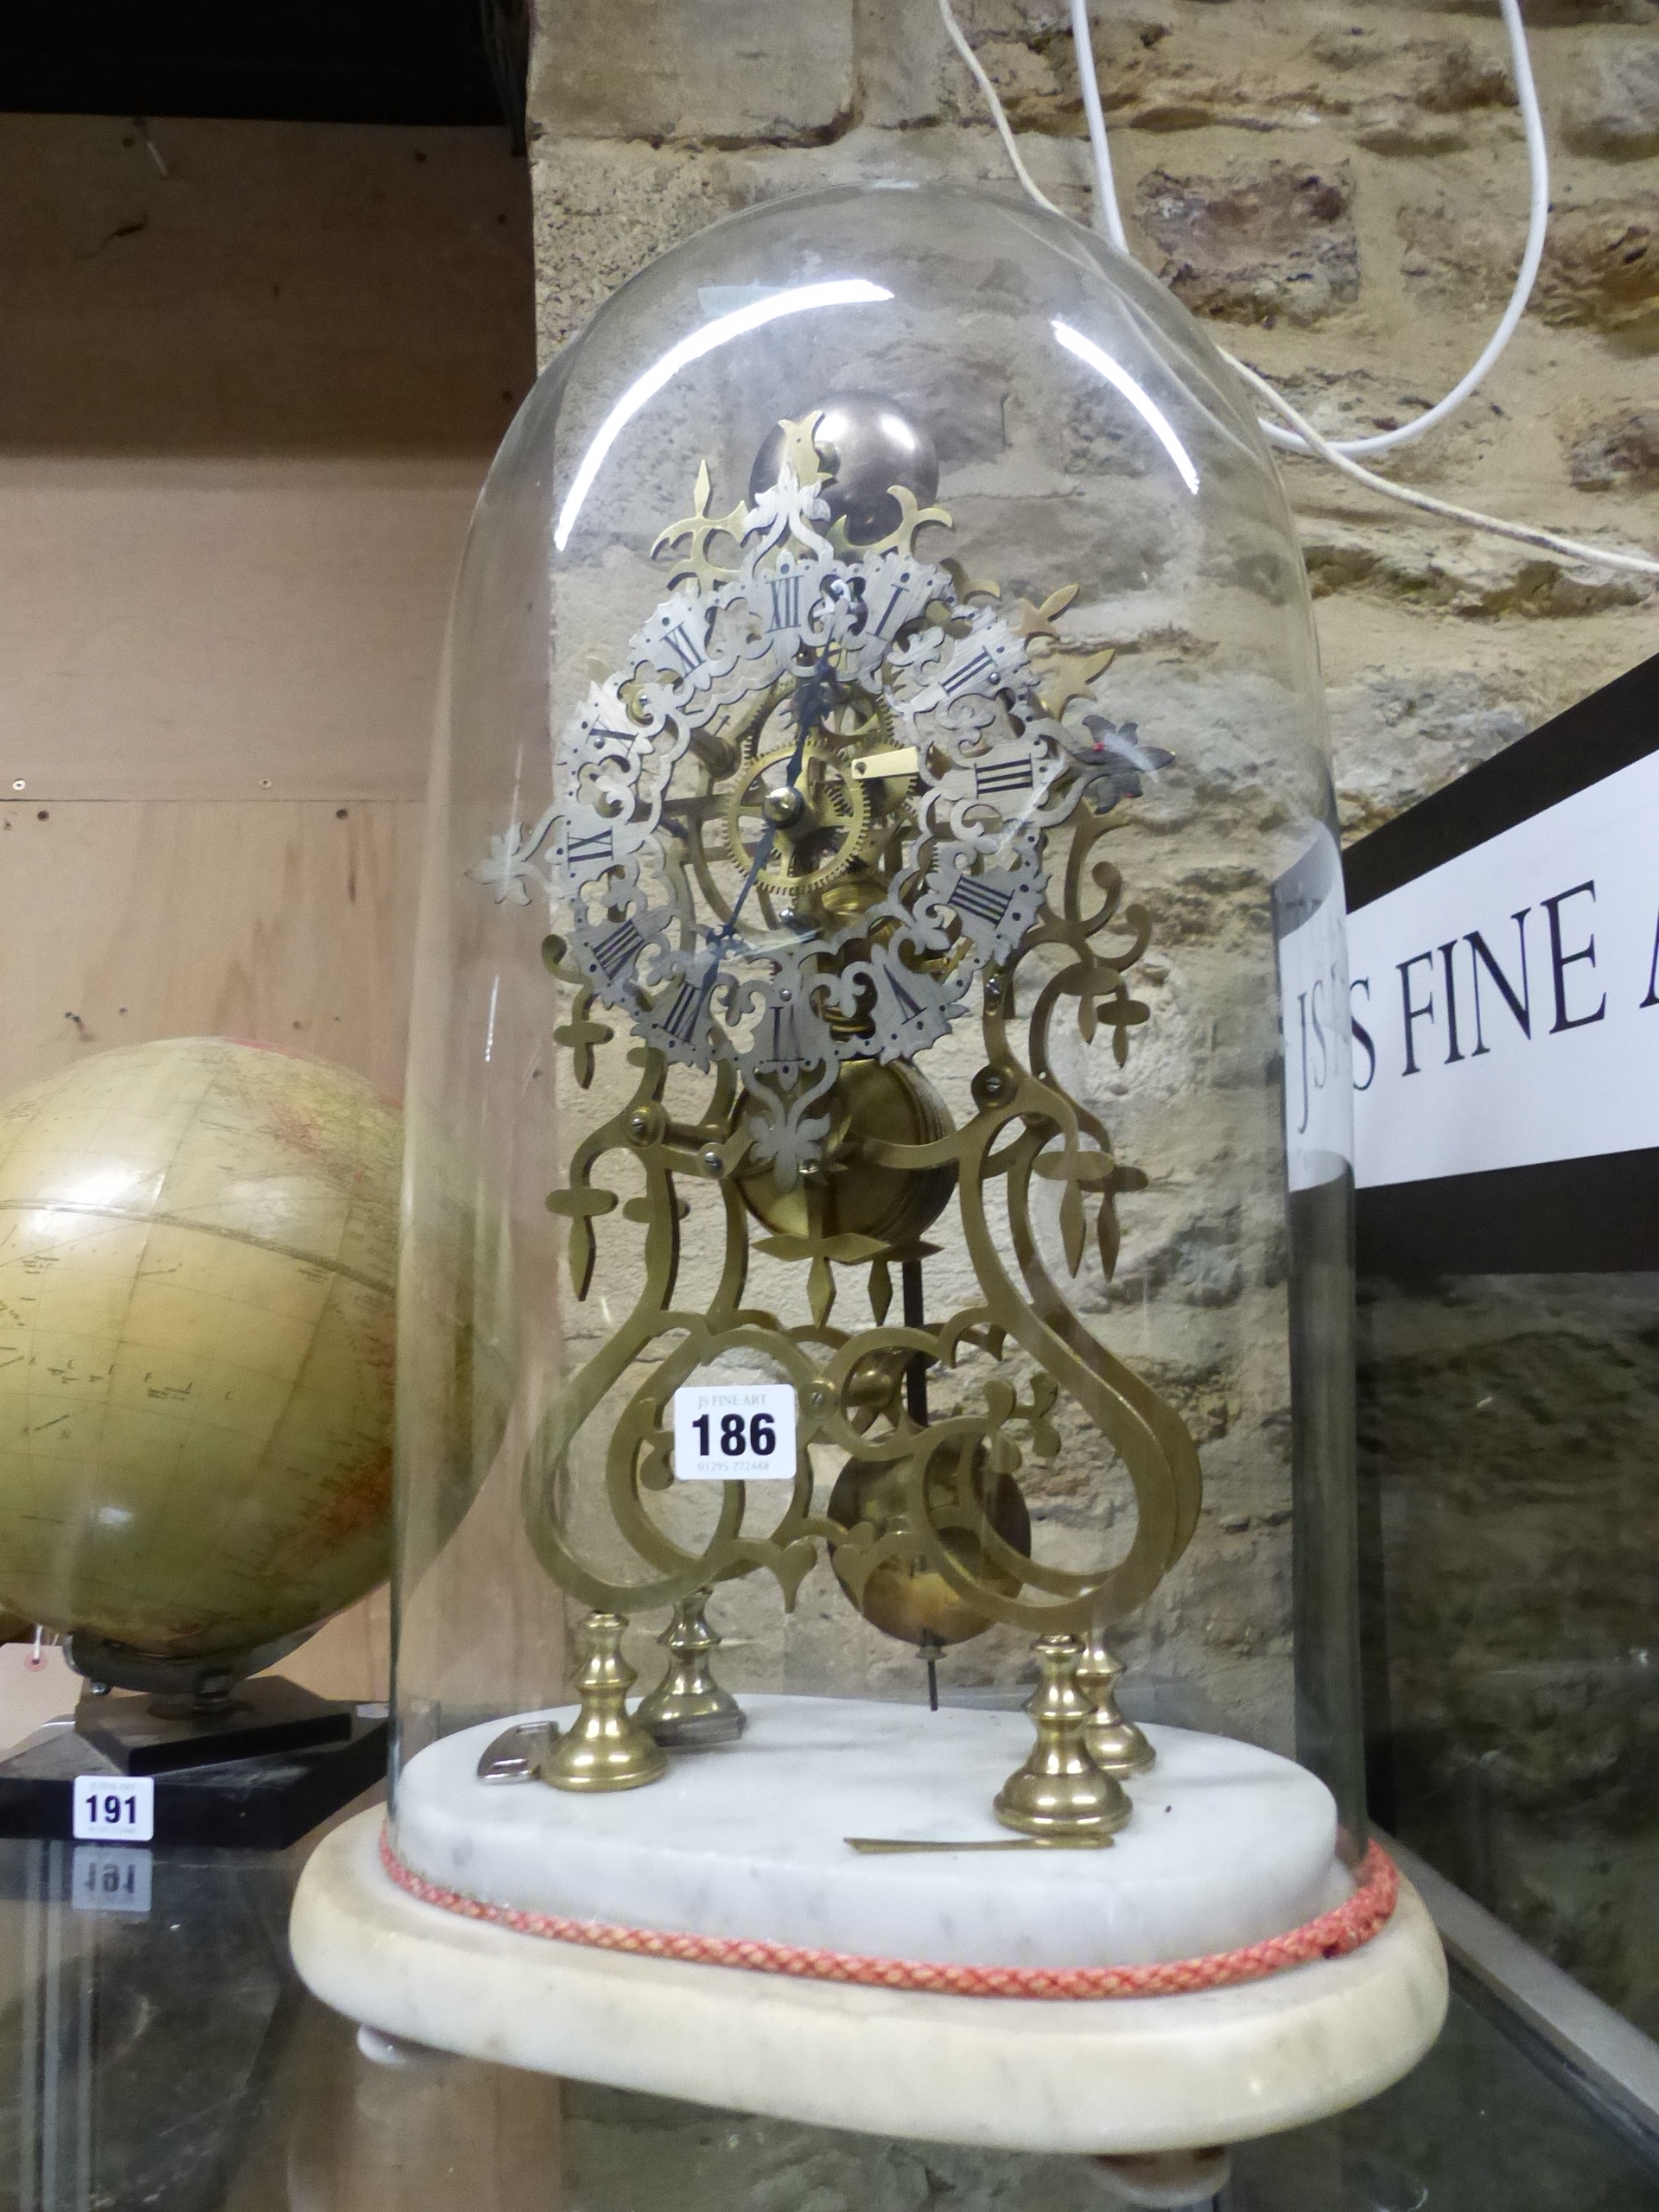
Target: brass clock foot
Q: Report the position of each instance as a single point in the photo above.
(688, 1708)
(603, 1748)
(1116, 1744)
(1059, 1793)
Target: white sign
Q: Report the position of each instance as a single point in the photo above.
(104, 1880)
(734, 1433)
(1506, 1004)
(114, 1809)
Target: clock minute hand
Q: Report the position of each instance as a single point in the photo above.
(762, 854)
(808, 714)
(723, 936)
(812, 700)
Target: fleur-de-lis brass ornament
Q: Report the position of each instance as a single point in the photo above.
(837, 802)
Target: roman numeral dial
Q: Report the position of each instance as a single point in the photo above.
(808, 804)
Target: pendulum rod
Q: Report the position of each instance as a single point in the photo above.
(916, 1366)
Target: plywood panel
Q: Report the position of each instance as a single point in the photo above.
(193, 286)
(287, 922)
(252, 378)
(225, 628)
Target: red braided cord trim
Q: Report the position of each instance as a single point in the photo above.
(1331, 1936)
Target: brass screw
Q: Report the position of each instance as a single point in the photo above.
(640, 1126)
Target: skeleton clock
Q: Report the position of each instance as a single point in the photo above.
(838, 802)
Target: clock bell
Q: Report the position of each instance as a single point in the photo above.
(879, 1099)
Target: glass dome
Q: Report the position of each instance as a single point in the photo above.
(880, 1033)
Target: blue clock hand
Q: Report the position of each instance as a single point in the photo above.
(810, 701)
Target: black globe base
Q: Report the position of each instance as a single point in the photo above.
(262, 1717)
(258, 1800)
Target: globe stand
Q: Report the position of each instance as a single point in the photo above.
(262, 1801)
(163, 1734)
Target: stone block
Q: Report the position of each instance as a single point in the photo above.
(1619, 454)
(1167, 70)
(1256, 244)
(601, 211)
(1451, 78)
(1457, 252)
(908, 73)
(1601, 268)
(1454, 572)
(1397, 736)
(1155, 74)
(708, 71)
(1614, 107)
(1397, 124)
(1421, 91)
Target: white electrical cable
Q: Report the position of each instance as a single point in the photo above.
(1302, 437)
(998, 114)
(1526, 276)
(1109, 216)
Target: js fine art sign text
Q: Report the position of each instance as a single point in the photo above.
(1506, 1005)
(1503, 974)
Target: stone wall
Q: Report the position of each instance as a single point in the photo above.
(1342, 192)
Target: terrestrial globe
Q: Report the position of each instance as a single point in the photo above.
(198, 1245)
(881, 1075)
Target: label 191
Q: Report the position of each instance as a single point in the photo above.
(114, 1809)
(734, 1433)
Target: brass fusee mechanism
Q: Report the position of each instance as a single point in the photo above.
(837, 802)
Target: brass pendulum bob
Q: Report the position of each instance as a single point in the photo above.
(602, 1748)
(688, 1708)
(1116, 1744)
(1060, 1794)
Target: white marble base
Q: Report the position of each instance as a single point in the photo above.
(1228, 1844)
(1120, 2075)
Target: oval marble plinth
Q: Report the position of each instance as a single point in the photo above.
(1227, 1845)
(1121, 2075)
